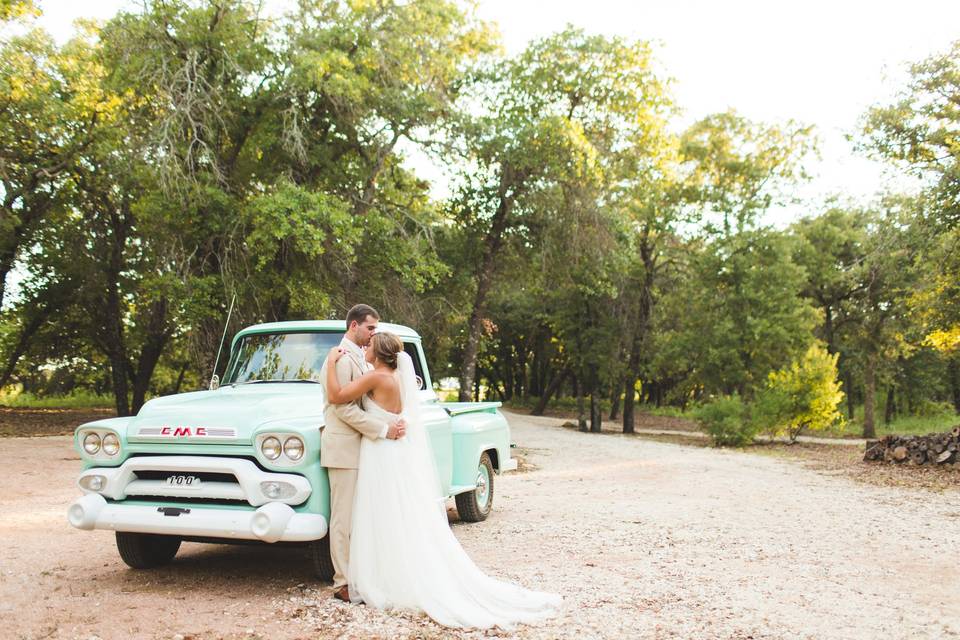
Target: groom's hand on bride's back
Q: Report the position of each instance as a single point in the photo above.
(397, 429)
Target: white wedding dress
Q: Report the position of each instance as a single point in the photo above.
(403, 554)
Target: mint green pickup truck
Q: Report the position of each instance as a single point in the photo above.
(241, 462)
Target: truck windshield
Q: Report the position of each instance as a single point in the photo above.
(280, 357)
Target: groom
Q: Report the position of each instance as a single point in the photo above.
(345, 424)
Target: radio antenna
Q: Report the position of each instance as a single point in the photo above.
(215, 379)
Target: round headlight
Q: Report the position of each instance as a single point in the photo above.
(111, 444)
(91, 443)
(293, 447)
(270, 448)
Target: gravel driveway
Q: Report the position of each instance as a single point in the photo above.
(643, 539)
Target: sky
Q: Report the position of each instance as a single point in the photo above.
(817, 62)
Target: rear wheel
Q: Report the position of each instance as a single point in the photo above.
(475, 506)
(145, 550)
(321, 559)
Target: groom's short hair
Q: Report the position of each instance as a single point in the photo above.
(359, 312)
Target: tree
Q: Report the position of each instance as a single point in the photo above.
(736, 169)
(555, 116)
(832, 249)
(802, 396)
(50, 105)
(740, 313)
(16, 9)
(744, 315)
(882, 315)
(919, 131)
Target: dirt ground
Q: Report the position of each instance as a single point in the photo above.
(47, 422)
(644, 539)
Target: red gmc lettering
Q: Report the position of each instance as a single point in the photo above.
(201, 431)
(165, 431)
(182, 431)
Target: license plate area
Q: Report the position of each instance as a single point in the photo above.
(183, 480)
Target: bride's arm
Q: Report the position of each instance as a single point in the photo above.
(339, 395)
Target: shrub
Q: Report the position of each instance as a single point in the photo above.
(804, 395)
(933, 409)
(727, 420)
(77, 399)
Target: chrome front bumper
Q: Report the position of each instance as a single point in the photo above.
(272, 522)
(122, 482)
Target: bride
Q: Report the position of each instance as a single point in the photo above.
(403, 554)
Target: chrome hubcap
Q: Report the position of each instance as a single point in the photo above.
(483, 481)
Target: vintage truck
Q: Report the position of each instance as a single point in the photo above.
(240, 463)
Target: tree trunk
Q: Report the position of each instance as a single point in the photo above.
(891, 409)
(551, 389)
(629, 402)
(33, 324)
(596, 414)
(645, 313)
(114, 336)
(116, 352)
(521, 384)
(615, 401)
(505, 367)
(538, 368)
(180, 377)
(869, 395)
(156, 340)
(5, 267)
(581, 410)
(491, 249)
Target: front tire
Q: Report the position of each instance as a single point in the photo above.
(320, 558)
(475, 506)
(145, 550)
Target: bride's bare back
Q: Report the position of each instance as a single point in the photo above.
(386, 390)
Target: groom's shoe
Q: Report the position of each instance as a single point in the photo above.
(343, 593)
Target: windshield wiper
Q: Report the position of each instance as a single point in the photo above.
(235, 384)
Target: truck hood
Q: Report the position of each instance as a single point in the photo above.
(228, 415)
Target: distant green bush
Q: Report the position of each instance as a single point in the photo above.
(931, 409)
(75, 400)
(727, 420)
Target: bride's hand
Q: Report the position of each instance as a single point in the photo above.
(335, 354)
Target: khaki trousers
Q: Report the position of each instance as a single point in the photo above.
(343, 484)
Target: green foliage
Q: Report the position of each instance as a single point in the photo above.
(191, 151)
(740, 314)
(920, 130)
(738, 168)
(76, 399)
(727, 420)
(803, 396)
(17, 9)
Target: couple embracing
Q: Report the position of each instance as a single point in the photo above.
(390, 542)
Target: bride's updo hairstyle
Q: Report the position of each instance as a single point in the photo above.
(386, 346)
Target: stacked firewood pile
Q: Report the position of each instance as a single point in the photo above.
(933, 448)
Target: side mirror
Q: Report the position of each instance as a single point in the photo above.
(214, 382)
(420, 383)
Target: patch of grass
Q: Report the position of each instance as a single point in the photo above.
(667, 411)
(903, 425)
(75, 400)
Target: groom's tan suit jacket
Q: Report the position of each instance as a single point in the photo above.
(346, 424)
